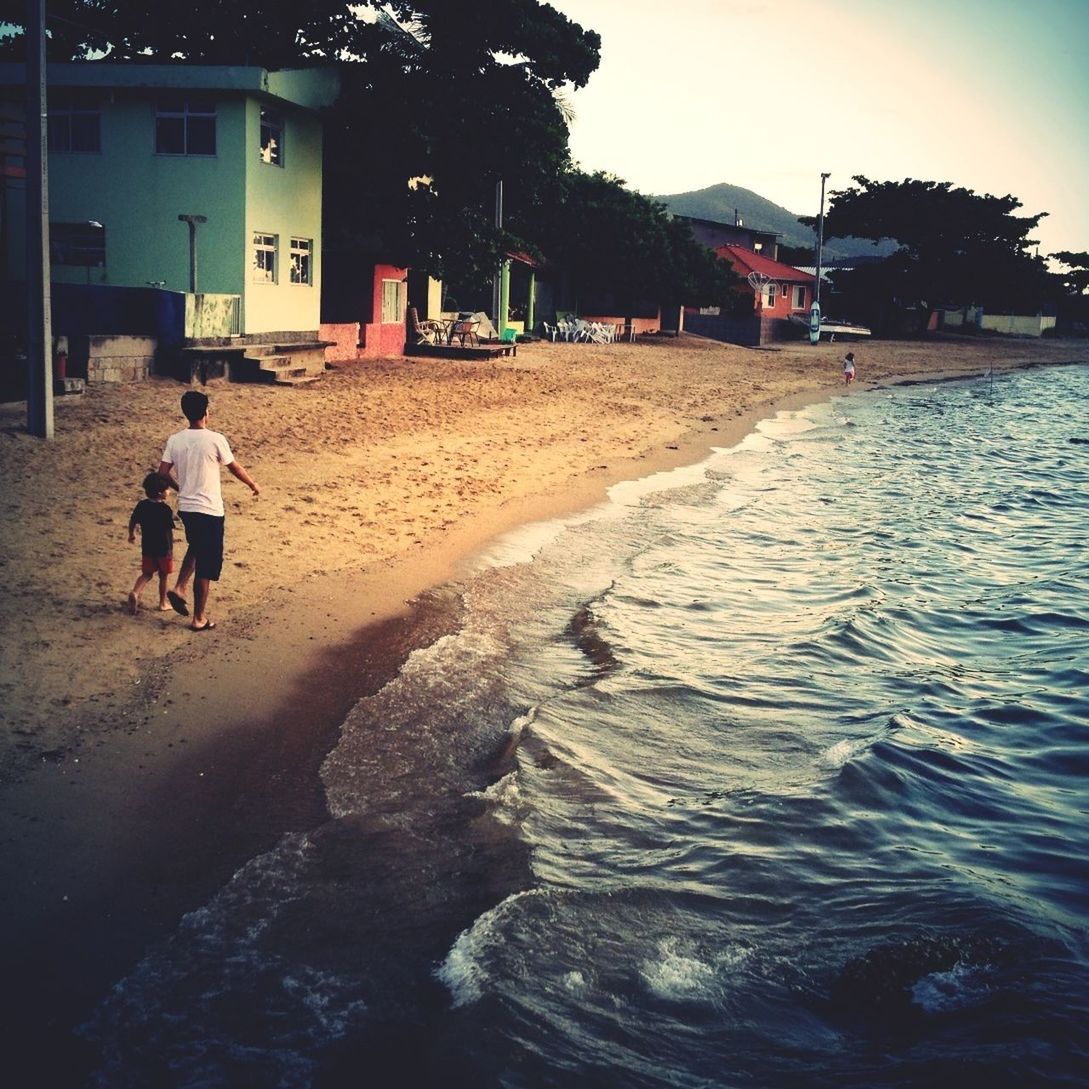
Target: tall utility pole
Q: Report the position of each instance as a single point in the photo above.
(39, 341)
(820, 241)
(815, 309)
(496, 289)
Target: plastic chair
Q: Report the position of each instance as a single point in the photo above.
(465, 329)
(427, 331)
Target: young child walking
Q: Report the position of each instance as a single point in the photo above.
(848, 368)
(156, 521)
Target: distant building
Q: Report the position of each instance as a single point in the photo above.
(773, 299)
(785, 290)
(713, 235)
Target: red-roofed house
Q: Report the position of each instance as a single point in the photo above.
(769, 294)
(786, 290)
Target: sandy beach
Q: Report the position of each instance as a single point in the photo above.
(139, 762)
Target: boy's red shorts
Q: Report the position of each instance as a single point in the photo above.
(156, 565)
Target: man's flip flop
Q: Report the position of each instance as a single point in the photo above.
(177, 603)
(204, 627)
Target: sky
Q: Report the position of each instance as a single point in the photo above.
(992, 95)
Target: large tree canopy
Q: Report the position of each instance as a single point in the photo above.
(956, 247)
(623, 252)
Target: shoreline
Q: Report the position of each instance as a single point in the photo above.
(140, 826)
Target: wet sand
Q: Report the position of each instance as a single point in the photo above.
(141, 764)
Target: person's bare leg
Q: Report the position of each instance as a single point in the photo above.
(134, 597)
(189, 565)
(164, 605)
(176, 597)
(201, 588)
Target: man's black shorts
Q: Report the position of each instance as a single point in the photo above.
(204, 533)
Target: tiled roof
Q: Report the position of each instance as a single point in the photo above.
(746, 261)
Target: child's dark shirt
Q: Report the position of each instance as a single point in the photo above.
(156, 522)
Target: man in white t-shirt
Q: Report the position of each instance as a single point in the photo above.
(192, 458)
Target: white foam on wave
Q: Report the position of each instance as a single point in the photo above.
(575, 981)
(677, 973)
(505, 798)
(785, 424)
(524, 544)
(464, 972)
(843, 752)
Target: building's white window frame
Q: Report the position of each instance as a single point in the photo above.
(302, 261)
(799, 297)
(393, 302)
(271, 147)
(72, 124)
(266, 257)
(769, 294)
(193, 114)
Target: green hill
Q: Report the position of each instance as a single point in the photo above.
(719, 202)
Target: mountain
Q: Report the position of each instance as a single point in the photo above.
(719, 203)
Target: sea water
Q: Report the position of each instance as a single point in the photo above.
(766, 772)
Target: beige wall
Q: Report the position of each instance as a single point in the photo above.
(284, 201)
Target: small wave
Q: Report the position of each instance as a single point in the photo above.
(843, 752)
(464, 972)
(935, 973)
(958, 988)
(505, 799)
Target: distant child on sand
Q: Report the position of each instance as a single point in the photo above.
(156, 521)
(848, 368)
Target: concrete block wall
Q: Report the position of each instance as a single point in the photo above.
(344, 338)
(120, 358)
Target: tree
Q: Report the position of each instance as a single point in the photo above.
(956, 247)
(623, 252)
(1076, 281)
(1074, 306)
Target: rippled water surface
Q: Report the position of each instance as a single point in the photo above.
(770, 772)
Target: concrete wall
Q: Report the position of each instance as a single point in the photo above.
(638, 325)
(211, 315)
(119, 358)
(344, 341)
(1018, 325)
(378, 339)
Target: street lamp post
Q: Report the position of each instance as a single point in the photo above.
(193, 220)
(815, 309)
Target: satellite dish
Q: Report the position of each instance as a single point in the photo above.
(758, 280)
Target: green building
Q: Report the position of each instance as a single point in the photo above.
(162, 174)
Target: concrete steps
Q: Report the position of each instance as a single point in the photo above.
(281, 370)
(269, 364)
